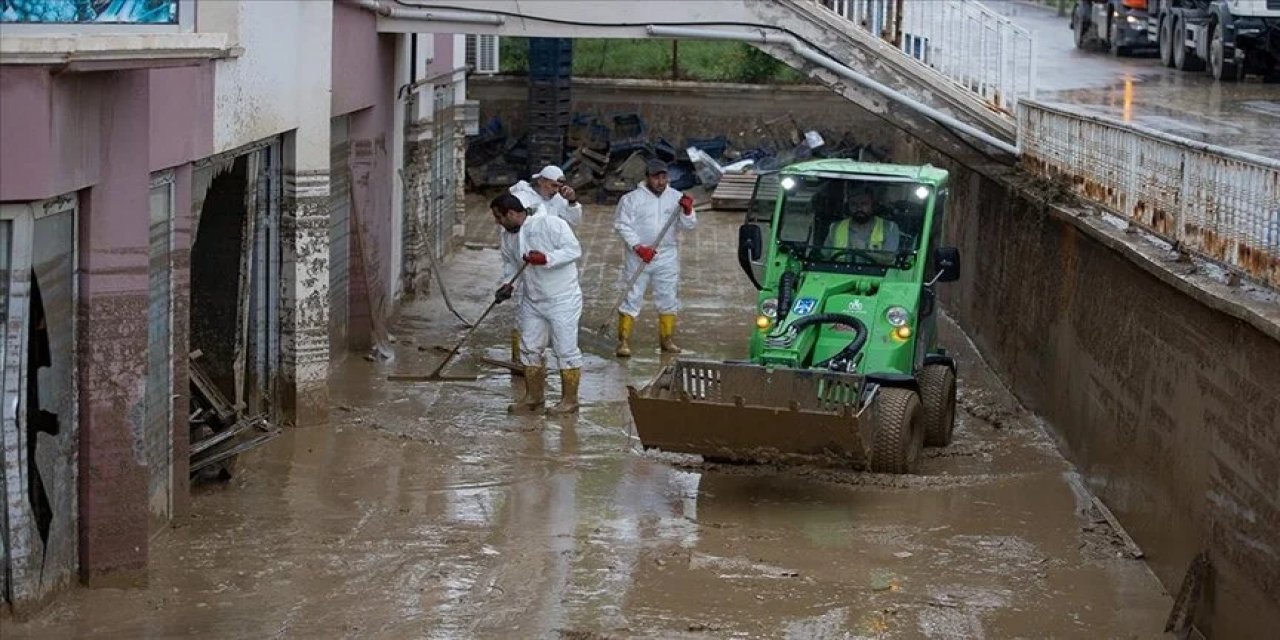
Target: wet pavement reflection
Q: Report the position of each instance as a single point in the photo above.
(423, 510)
(1240, 115)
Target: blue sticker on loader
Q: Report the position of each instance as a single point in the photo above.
(804, 306)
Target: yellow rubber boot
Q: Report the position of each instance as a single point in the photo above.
(570, 380)
(667, 332)
(535, 389)
(625, 325)
(515, 346)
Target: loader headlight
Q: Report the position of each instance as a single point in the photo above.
(922, 192)
(763, 322)
(902, 333)
(897, 316)
(1132, 20)
(769, 307)
(788, 183)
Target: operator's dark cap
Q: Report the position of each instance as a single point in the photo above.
(655, 166)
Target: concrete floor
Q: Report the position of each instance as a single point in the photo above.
(1241, 115)
(423, 510)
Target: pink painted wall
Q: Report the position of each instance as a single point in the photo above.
(53, 126)
(371, 177)
(25, 123)
(442, 56)
(357, 64)
(113, 339)
(181, 115)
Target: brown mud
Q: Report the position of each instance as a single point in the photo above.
(424, 510)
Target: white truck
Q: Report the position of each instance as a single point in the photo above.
(1231, 38)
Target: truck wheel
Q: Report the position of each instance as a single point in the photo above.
(1165, 38)
(1081, 31)
(898, 432)
(1223, 69)
(1183, 59)
(1113, 36)
(938, 400)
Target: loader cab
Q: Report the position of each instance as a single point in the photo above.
(853, 224)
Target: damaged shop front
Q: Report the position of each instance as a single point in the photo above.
(235, 306)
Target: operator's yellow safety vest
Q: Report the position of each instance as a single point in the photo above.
(877, 234)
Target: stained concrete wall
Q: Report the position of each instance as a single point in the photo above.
(1167, 401)
(746, 114)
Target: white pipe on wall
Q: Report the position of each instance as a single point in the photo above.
(839, 69)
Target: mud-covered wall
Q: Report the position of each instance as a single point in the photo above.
(1170, 408)
(746, 114)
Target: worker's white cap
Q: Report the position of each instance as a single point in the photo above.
(550, 172)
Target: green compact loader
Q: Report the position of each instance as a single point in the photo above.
(844, 365)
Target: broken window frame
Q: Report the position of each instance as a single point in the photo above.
(27, 578)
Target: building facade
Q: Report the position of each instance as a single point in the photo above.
(245, 185)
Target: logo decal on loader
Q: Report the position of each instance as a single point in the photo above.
(855, 306)
(804, 306)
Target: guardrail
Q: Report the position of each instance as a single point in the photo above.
(963, 40)
(1213, 201)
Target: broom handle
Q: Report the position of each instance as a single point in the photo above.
(631, 282)
(467, 336)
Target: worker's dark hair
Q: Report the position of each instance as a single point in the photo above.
(506, 202)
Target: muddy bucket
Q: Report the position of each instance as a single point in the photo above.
(744, 412)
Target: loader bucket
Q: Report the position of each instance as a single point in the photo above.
(744, 412)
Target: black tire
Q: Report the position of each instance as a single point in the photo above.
(938, 402)
(1079, 29)
(1113, 36)
(1183, 59)
(1222, 69)
(1166, 41)
(898, 431)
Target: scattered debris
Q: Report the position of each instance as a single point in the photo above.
(903, 554)
(607, 154)
(219, 432)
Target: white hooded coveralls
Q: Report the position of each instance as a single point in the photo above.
(639, 219)
(550, 306)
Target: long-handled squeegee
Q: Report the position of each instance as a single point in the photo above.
(436, 376)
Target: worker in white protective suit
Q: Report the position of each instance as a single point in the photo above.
(548, 193)
(551, 303)
(640, 217)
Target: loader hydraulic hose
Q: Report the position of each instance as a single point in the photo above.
(850, 350)
(786, 289)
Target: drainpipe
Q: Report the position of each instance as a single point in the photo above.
(388, 10)
(764, 37)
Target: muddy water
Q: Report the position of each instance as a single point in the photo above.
(425, 511)
(1241, 115)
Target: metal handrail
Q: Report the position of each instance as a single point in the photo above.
(967, 43)
(1220, 203)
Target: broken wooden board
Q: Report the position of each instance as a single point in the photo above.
(734, 191)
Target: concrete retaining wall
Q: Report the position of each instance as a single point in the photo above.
(747, 114)
(1165, 396)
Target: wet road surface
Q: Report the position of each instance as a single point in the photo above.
(1241, 115)
(423, 510)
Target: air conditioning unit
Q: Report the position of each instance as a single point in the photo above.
(482, 53)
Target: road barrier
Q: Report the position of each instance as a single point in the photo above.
(964, 41)
(1213, 201)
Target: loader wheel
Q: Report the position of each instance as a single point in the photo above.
(938, 397)
(898, 432)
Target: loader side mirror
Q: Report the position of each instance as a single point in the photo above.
(750, 248)
(947, 260)
(750, 242)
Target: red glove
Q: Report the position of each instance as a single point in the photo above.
(646, 252)
(686, 203)
(536, 257)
